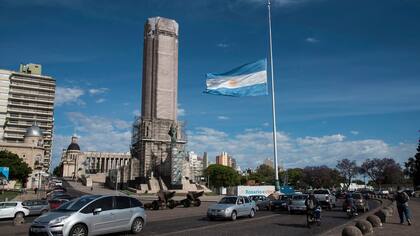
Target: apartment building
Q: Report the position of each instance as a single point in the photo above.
(27, 98)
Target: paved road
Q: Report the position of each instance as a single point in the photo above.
(192, 221)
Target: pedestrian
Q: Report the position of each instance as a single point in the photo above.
(35, 190)
(91, 188)
(402, 205)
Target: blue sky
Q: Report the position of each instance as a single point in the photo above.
(347, 73)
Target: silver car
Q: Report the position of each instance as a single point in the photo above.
(297, 203)
(232, 207)
(36, 207)
(92, 215)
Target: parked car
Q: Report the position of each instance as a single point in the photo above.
(54, 204)
(281, 203)
(12, 209)
(36, 207)
(325, 198)
(92, 215)
(262, 202)
(297, 203)
(231, 207)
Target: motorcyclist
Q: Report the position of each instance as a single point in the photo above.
(311, 204)
(351, 203)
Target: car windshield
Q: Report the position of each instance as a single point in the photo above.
(228, 200)
(299, 197)
(321, 192)
(76, 204)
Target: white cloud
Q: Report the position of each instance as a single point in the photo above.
(354, 132)
(65, 95)
(223, 118)
(223, 45)
(95, 134)
(311, 40)
(136, 112)
(253, 146)
(100, 100)
(181, 111)
(97, 91)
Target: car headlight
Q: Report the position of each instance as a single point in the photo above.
(58, 220)
(227, 210)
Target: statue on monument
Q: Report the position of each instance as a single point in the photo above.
(173, 133)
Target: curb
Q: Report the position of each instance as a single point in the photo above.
(352, 221)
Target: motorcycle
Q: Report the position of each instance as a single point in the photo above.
(351, 212)
(313, 217)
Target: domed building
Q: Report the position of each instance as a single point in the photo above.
(97, 165)
(32, 151)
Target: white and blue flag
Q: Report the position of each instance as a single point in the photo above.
(247, 80)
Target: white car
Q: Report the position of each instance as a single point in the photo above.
(12, 209)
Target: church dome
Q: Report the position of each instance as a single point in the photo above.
(33, 131)
(73, 145)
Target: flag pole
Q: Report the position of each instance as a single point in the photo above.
(273, 102)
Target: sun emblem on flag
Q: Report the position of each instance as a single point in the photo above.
(232, 82)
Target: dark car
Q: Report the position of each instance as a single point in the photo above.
(262, 202)
(36, 207)
(281, 203)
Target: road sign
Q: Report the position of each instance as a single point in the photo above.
(4, 172)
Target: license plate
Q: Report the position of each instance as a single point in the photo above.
(37, 230)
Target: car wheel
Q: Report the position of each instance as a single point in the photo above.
(233, 216)
(155, 205)
(137, 225)
(197, 202)
(187, 203)
(171, 204)
(211, 218)
(252, 213)
(19, 215)
(78, 230)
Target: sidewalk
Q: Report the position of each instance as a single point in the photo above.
(29, 195)
(97, 188)
(393, 226)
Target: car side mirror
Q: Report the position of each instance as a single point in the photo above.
(97, 211)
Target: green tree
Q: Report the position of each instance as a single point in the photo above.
(382, 171)
(348, 169)
(412, 167)
(295, 177)
(222, 176)
(321, 177)
(18, 169)
(264, 174)
(58, 170)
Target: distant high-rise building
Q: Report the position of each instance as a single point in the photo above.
(225, 160)
(27, 98)
(205, 161)
(268, 162)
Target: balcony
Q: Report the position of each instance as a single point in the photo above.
(15, 78)
(29, 92)
(32, 87)
(30, 105)
(30, 99)
(30, 111)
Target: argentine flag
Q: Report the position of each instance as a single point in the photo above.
(247, 80)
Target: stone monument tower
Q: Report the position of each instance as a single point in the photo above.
(154, 137)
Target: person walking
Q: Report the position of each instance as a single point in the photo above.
(402, 205)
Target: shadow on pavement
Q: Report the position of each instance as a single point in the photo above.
(292, 225)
